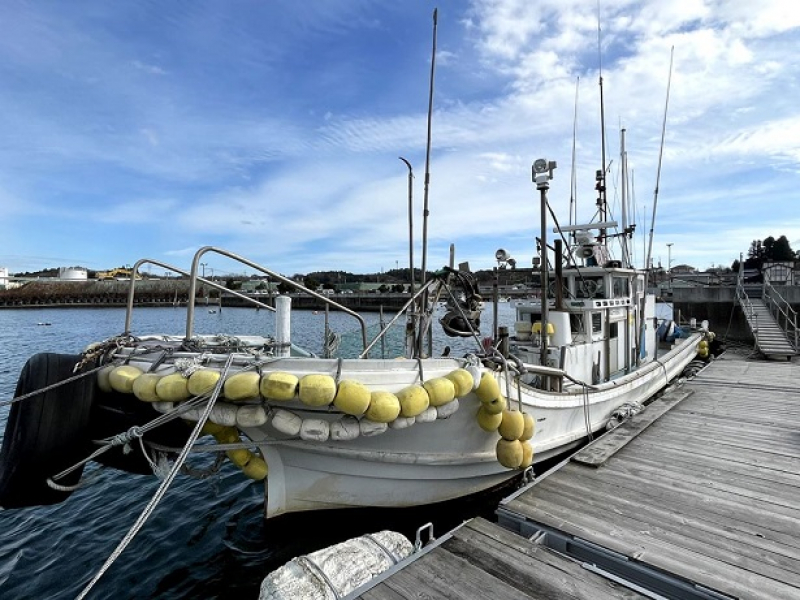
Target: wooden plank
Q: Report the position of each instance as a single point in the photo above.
(711, 460)
(690, 444)
(535, 569)
(600, 450)
(640, 545)
(645, 514)
(384, 592)
(439, 575)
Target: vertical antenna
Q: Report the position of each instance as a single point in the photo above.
(573, 184)
(624, 196)
(425, 211)
(600, 186)
(658, 173)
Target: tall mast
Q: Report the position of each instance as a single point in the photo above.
(573, 184)
(600, 185)
(624, 197)
(425, 211)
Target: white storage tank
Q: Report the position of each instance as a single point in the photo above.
(73, 273)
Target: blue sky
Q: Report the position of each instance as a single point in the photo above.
(273, 129)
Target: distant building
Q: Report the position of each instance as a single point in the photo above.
(3, 278)
(73, 273)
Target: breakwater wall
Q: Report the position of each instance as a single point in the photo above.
(46, 294)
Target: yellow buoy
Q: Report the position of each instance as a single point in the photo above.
(144, 387)
(488, 421)
(537, 328)
(203, 381)
(528, 429)
(121, 378)
(256, 468)
(279, 386)
(239, 457)
(413, 399)
(102, 379)
(242, 386)
(527, 455)
(509, 453)
(441, 390)
(172, 388)
(488, 389)
(317, 390)
(512, 425)
(227, 435)
(211, 428)
(462, 382)
(495, 406)
(384, 407)
(352, 397)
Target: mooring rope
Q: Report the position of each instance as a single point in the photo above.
(50, 387)
(162, 489)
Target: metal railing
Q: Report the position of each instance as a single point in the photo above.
(785, 316)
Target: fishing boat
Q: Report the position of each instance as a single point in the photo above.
(327, 432)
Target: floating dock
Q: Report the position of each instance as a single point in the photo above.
(696, 497)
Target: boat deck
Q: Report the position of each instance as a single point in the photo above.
(696, 497)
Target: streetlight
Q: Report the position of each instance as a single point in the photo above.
(669, 264)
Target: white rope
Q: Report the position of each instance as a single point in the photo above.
(49, 387)
(162, 489)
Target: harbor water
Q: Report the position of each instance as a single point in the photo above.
(208, 537)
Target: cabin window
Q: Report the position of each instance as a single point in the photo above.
(597, 322)
(620, 287)
(576, 323)
(590, 287)
(613, 330)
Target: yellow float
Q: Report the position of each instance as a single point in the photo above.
(441, 390)
(279, 386)
(413, 399)
(512, 425)
(352, 397)
(173, 388)
(509, 453)
(462, 382)
(488, 421)
(203, 381)
(144, 387)
(121, 378)
(488, 389)
(384, 407)
(317, 390)
(242, 386)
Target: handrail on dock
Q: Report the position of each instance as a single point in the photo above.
(781, 309)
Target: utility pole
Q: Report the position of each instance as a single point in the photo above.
(669, 264)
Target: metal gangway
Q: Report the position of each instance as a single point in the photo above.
(771, 319)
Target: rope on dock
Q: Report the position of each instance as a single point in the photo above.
(162, 489)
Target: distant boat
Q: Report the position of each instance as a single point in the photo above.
(43, 323)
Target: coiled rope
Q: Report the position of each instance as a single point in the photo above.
(162, 489)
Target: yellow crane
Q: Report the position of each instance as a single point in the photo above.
(117, 273)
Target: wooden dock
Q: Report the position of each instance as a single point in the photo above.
(696, 497)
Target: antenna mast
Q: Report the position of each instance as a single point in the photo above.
(600, 186)
(573, 184)
(425, 211)
(658, 173)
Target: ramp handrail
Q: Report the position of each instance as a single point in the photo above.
(785, 316)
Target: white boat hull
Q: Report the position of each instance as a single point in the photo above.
(444, 459)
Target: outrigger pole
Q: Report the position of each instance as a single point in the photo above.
(601, 175)
(425, 211)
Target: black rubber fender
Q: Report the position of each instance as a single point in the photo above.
(45, 433)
